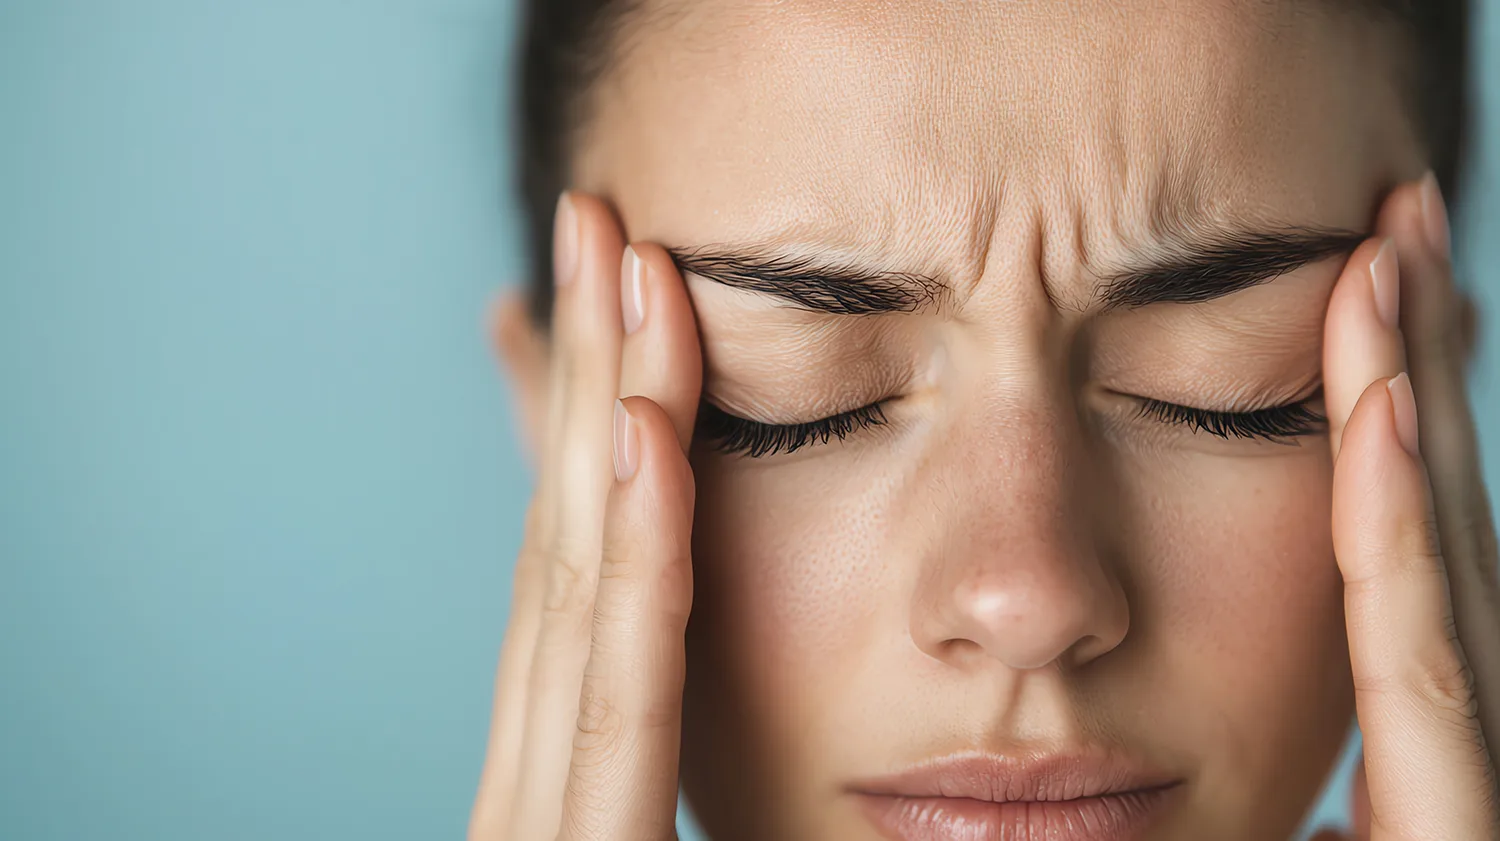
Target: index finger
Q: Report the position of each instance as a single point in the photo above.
(622, 780)
(1427, 765)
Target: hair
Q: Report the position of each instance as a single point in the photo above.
(565, 46)
(568, 44)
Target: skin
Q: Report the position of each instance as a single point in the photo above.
(1019, 562)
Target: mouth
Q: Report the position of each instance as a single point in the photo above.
(988, 797)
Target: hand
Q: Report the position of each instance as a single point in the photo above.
(1413, 534)
(588, 698)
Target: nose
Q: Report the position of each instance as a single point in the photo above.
(1022, 578)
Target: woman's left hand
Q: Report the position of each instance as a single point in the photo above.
(1413, 533)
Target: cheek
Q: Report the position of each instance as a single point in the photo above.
(1241, 559)
(788, 583)
(1243, 622)
(787, 568)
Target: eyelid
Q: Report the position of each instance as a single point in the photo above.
(1279, 424)
(732, 434)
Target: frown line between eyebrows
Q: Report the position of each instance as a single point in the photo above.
(1190, 271)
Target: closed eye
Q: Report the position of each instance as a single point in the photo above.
(735, 435)
(1280, 424)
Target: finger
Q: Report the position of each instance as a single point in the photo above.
(494, 802)
(572, 491)
(1362, 339)
(1428, 771)
(1438, 346)
(622, 781)
(1414, 218)
(523, 347)
(518, 344)
(660, 358)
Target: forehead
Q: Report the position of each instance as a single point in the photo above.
(905, 125)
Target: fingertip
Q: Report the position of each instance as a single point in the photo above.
(1360, 475)
(1415, 217)
(662, 359)
(587, 245)
(1382, 505)
(1370, 429)
(1434, 211)
(601, 242)
(1362, 341)
(659, 457)
(1404, 413)
(653, 508)
(632, 291)
(626, 437)
(1401, 209)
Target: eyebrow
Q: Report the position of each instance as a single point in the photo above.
(1186, 271)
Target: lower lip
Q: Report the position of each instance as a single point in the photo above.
(1114, 817)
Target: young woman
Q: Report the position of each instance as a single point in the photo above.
(1052, 416)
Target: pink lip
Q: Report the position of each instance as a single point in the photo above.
(984, 797)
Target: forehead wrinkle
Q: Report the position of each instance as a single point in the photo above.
(852, 201)
(1166, 176)
(838, 124)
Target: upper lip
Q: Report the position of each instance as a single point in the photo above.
(1033, 776)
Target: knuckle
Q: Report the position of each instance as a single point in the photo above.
(618, 557)
(1445, 682)
(528, 578)
(599, 735)
(570, 583)
(652, 572)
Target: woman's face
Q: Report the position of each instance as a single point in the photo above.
(1028, 556)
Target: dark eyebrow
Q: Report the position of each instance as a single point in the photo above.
(1189, 271)
(808, 284)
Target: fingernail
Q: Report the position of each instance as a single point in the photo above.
(564, 242)
(1385, 277)
(1435, 217)
(632, 291)
(1404, 403)
(626, 444)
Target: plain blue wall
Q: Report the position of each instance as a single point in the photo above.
(258, 486)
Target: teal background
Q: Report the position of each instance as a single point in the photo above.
(259, 490)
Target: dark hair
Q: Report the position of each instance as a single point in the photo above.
(567, 44)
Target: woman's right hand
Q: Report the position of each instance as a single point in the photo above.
(588, 699)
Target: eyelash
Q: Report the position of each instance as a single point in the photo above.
(1278, 424)
(736, 435)
(740, 436)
